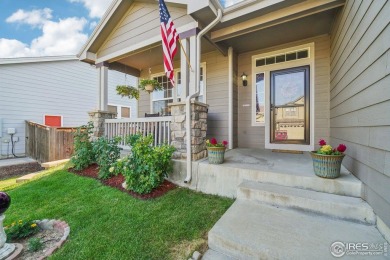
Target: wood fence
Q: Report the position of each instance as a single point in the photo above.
(46, 144)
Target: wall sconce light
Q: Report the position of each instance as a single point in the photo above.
(244, 79)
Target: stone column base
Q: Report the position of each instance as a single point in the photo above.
(198, 130)
(98, 117)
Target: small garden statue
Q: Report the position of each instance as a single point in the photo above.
(5, 248)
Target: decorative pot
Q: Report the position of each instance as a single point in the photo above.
(327, 166)
(149, 88)
(216, 155)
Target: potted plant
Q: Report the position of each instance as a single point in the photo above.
(216, 151)
(127, 91)
(149, 85)
(327, 160)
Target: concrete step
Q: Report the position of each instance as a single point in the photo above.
(214, 255)
(48, 165)
(344, 207)
(250, 230)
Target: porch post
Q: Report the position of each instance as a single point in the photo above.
(102, 86)
(184, 69)
(230, 102)
(99, 115)
(192, 87)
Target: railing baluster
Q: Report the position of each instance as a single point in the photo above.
(158, 127)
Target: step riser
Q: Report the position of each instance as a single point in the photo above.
(211, 176)
(226, 247)
(333, 209)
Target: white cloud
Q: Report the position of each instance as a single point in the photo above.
(96, 8)
(64, 37)
(92, 25)
(36, 17)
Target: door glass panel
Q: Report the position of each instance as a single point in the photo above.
(289, 105)
(260, 98)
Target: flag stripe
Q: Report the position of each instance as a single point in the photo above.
(169, 38)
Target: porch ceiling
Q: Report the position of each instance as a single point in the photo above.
(153, 56)
(306, 27)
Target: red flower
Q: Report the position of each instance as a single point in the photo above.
(213, 141)
(341, 148)
(322, 142)
(224, 143)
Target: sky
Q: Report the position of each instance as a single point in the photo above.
(31, 28)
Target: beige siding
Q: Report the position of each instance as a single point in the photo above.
(217, 95)
(141, 21)
(360, 96)
(253, 136)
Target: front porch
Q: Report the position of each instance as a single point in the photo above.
(259, 165)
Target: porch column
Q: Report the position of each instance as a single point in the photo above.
(230, 103)
(99, 115)
(184, 69)
(102, 86)
(192, 87)
(198, 130)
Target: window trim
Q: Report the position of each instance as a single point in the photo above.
(266, 69)
(175, 96)
(119, 111)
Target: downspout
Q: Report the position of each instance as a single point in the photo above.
(197, 92)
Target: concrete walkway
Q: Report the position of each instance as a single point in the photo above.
(251, 230)
(15, 161)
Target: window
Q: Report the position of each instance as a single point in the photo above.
(283, 57)
(120, 111)
(260, 98)
(54, 121)
(161, 98)
(202, 85)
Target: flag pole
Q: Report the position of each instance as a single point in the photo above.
(185, 54)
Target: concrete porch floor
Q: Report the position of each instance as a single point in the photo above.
(241, 164)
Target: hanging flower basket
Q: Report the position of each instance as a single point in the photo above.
(149, 88)
(149, 85)
(216, 154)
(327, 166)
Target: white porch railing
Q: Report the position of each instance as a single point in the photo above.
(159, 127)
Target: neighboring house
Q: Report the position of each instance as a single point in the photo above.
(56, 91)
(327, 62)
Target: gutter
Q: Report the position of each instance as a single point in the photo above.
(197, 92)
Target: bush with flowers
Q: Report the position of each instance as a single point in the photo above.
(214, 143)
(326, 149)
(21, 229)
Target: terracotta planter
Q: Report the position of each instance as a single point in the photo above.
(327, 166)
(216, 155)
(149, 88)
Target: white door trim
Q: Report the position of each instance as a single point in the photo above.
(266, 69)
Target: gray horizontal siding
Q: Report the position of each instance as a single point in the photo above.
(67, 88)
(217, 81)
(360, 96)
(138, 24)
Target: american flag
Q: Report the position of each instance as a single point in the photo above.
(169, 38)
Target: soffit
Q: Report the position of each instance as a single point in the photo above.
(295, 30)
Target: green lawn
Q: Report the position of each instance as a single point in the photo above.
(109, 224)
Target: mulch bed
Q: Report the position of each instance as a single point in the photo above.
(116, 182)
(19, 169)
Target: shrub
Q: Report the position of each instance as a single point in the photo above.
(21, 229)
(106, 153)
(83, 155)
(146, 166)
(34, 244)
